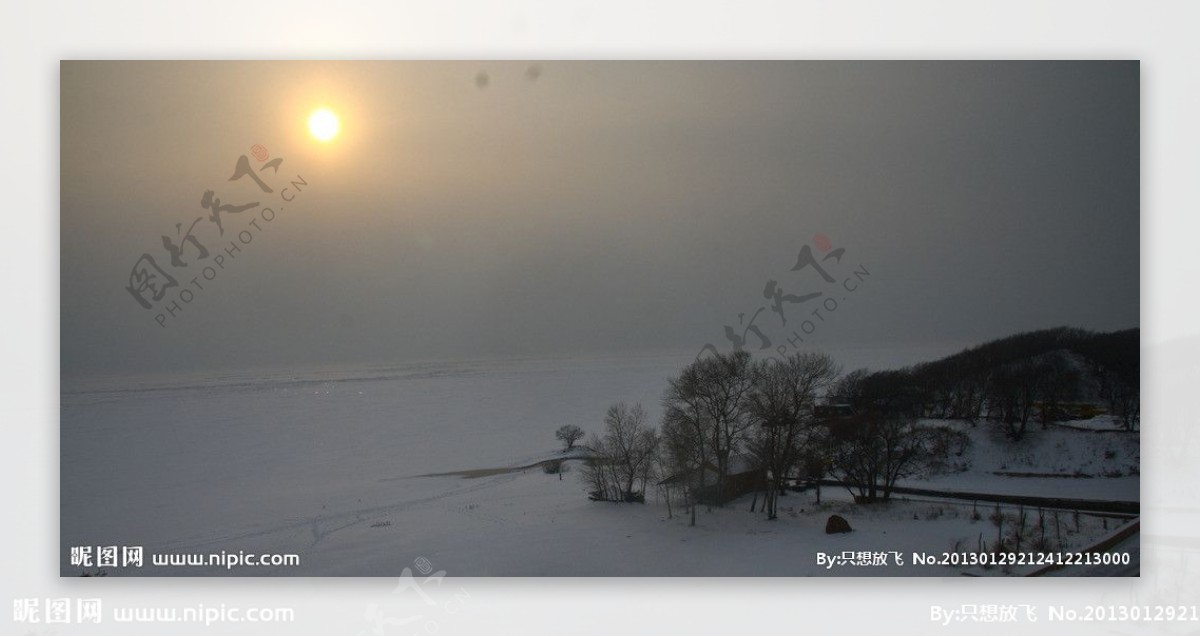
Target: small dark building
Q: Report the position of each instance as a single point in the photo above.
(742, 478)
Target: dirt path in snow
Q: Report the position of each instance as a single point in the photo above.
(495, 471)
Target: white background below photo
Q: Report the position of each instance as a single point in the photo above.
(1161, 35)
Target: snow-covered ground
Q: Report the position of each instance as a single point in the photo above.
(329, 465)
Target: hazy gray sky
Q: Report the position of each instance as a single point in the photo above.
(473, 210)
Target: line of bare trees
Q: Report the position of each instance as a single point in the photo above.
(720, 410)
(728, 416)
(729, 409)
(764, 412)
(1017, 380)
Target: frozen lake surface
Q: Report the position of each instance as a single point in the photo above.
(327, 464)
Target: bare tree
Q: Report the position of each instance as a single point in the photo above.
(849, 388)
(1058, 383)
(706, 422)
(599, 472)
(722, 384)
(871, 451)
(569, 435)
(781, 405)
(1015, 390)
(685, 449)
(1126, 398)
(623, 460)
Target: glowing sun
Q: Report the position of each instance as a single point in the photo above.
(323, 124)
